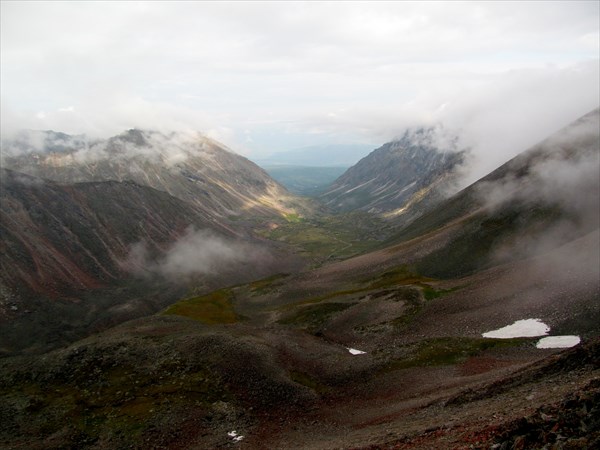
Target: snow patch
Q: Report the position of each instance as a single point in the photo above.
(558, 342)
(355, 352)
(234, 436)
(521, 328)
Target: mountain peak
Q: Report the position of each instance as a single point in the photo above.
(434, 137)
(135, 136)
(415, 169)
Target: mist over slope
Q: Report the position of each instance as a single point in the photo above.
(538, 200)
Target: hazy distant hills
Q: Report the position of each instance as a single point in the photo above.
(303, 180)
(188, 166)
(333, 155)
(310, 170)
(401, 178)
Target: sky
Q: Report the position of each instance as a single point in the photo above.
(265, 77)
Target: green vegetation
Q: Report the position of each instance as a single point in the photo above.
(263, 286)
(329, 237)
(293, 218)
(405, 276)
(430, 293)
(121, 401)
(313, 316)
(402, 280)
(450, 350)
(213, 308)
(321, 298)
(401, 275)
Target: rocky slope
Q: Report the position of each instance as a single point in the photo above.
(188, 166)
(58, 239)
(402, 178)
(82, 254)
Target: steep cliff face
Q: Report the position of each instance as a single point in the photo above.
(401, 178)
(188, 166)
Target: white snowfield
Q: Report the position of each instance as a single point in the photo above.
(521, 328)
(533, 328)
(558, 342)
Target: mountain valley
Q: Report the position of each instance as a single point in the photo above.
(159, 291)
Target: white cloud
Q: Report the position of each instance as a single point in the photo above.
(378, 67)
(196, 252)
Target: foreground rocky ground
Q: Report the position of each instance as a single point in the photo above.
(171, 383)
(267, 365)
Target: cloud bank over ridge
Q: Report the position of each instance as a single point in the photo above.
(264, 77)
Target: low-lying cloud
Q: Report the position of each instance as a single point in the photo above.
(562, 175)
(196, 252)
(60, 149)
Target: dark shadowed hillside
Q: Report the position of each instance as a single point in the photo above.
(74, 255)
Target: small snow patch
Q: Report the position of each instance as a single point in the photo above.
(234, 436)
(521, 328)
(558, 342)
(355, 352)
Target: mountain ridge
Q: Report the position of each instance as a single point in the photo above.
(402, 178)
(188, 166)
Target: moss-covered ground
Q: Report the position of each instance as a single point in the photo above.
(449, 350)
(213, 308)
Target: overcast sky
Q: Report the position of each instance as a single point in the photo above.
(271, 76)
